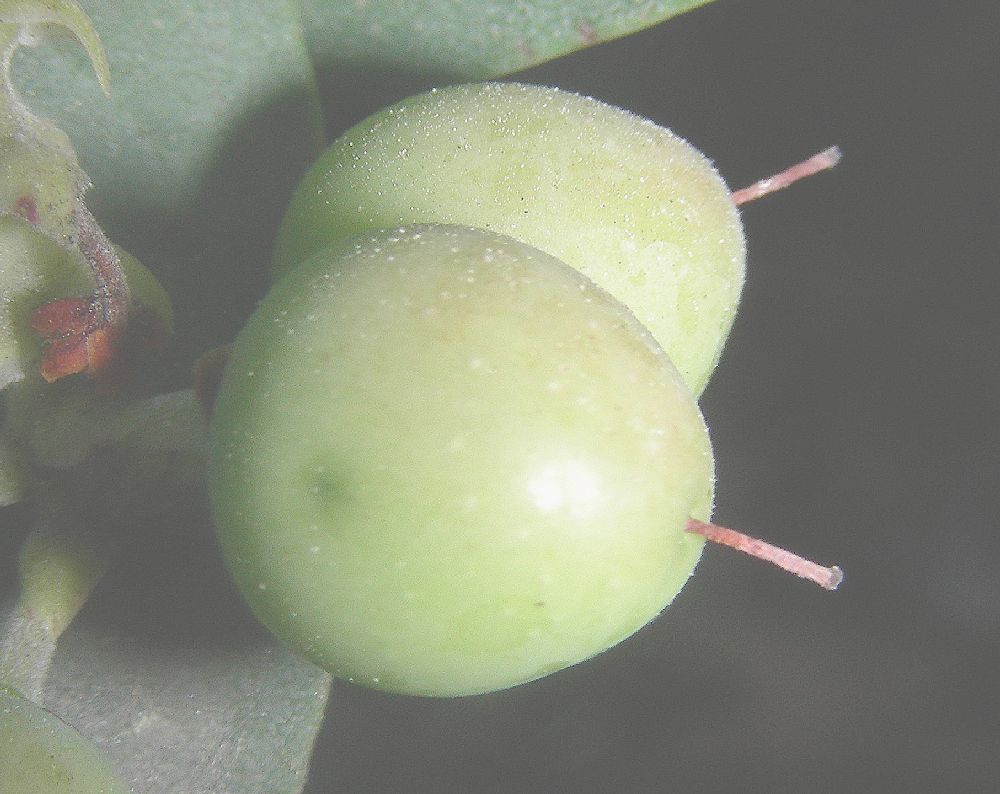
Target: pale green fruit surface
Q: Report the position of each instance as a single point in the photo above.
(41, 754)
(631, 205)
(445, 463)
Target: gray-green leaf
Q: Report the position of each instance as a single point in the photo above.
(463, 40)
(218, 718)
(213, 117)
(211, 718)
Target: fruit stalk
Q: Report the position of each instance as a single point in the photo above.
(823, 161)
(828, 578)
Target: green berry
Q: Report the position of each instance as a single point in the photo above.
(632, 206)
(41, 754)
(444, 463)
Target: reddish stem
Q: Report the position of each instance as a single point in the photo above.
(112, 293)
(829, 578)
(823, 161)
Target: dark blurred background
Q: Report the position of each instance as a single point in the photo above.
(854, 417)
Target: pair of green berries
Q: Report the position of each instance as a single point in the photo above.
(457, 447)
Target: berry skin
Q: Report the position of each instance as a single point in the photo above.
(631, 205)
(445, 463)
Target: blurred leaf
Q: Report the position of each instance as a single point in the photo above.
(201, 719)
(188, 80)
(371, 53)
(213, 117)
(165, 669)
(469, 40)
